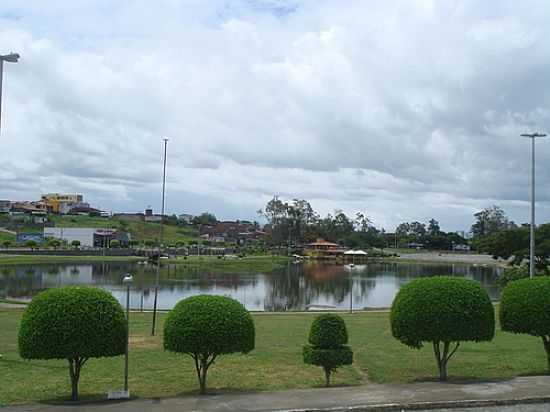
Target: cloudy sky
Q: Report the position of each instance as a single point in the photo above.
(405, 110)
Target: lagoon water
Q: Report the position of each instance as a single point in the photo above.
(294, 287)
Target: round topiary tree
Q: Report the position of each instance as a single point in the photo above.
(206, 327)
(73, 323)
(444, 311)
(525, 308)
(327, 345)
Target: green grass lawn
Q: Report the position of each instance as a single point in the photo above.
(4, 236)
(275, 364)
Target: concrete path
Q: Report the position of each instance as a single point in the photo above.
(371, 397)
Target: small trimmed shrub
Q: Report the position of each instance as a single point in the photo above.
(525, 308)
(205, 327)
(327, 345)
(73, 323)
(443, 311)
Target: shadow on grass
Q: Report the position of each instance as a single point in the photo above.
(19, 362)
(89, 398)
(460, 380)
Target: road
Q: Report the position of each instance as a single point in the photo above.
(541, 407)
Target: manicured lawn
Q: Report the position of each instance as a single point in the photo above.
(275, 363)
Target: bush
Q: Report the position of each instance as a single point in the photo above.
(73, 323)
(205, 327)
(327, 338)
(513, 273)
(444, 311)
(525, 308)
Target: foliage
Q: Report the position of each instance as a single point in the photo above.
(327, 345)
(514, 244)
(205, 219)
(442, 311)
(73, 323)
(31, 244)
(206, 327)
(491, 220)
(75, 244)
(115, 243)
(328, 332)
(513, 273)
(525, 308)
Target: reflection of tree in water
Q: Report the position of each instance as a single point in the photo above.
(405, 272)
(20, 282)
(298, 286)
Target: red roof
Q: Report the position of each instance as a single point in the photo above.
(322, 242)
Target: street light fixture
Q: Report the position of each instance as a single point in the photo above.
(9, 58)
(532, 136)
(128, 279)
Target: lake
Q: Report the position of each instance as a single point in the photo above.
(294, 287)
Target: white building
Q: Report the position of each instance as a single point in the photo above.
(86, 236)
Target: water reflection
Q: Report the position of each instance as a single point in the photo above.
(294, 287)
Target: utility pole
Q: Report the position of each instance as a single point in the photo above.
(532, 136)
(161, 240)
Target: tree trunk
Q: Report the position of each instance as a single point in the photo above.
(546, 341)
(202, 363)
(327, 377)
(204, 370)
(442, 357)
(75, 366)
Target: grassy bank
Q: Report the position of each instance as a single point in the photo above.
(275, 364)
(139, 230)
(265, 263)
(36, 259)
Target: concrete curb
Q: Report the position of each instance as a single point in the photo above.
(415, 406)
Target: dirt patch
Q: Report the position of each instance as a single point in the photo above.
(144, 342)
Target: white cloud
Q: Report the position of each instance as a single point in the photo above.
(408, 110)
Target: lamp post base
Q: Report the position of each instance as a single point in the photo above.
(118, 394)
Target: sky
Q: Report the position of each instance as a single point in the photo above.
(403, 110)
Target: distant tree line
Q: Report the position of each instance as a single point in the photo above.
(296, 222)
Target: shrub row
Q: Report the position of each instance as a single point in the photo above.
(446, 311)
(79, 323)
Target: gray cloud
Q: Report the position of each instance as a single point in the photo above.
(405, 110)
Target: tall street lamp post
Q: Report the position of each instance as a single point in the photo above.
(161, 239)
(128, 279)
(532, 136)
(10, 58)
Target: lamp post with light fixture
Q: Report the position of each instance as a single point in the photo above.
(9, 58)
(532, 136)
(128, 279)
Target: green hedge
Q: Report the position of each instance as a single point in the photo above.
(442, 310)
(327, 338)
(525, 308)
(328, 331)
(206, 327)
(73, 323)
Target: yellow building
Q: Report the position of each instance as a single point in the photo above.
(54, 201)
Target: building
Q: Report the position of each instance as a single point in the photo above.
(22, 238)
(61, 203)
(228, 231)
(323, 248)
(186, 218)
(5, 206)
(90, 237)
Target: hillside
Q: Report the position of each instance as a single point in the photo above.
(140, 231)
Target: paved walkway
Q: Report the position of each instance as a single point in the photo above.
(358, 398)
